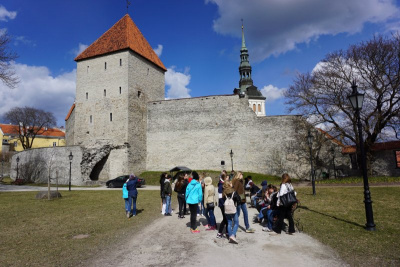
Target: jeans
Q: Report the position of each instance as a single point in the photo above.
(260, 214)
(243, 206)
(127, 207)
(132, 200)
(209, 213)
(193, 215)
(232, 229)
(181, 202)
(200, 208)
(271, 214)
(167, 204)
(224, 222)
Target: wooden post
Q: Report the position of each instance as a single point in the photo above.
(57, 181)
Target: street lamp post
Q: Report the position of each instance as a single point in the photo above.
(356, 100)
(310, 139)
(70, 167)
(17, 166)
(231, 154)
(333, 161)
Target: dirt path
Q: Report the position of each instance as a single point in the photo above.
(168, 242)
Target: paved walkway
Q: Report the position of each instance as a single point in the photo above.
(24, 188)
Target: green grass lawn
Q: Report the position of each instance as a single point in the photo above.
(359, 180)
(40, 232)
(336, 217)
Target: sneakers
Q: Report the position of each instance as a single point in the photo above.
(207, 226)
(250, 230)
(128, 215)
(233, 240)
(266, 229)
(195, 231)
(291, 233)
(220, 235)
(167, 214)
(211, 228)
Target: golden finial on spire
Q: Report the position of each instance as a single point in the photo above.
(242, 24)
(127, 6)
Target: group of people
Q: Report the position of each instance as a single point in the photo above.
(200, 195)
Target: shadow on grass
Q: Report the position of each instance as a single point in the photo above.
(331, 216)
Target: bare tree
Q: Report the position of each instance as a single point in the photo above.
(30, 122)
(7, 73)
(322, 94)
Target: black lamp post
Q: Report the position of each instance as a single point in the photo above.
(17, 166)
(356, 100)
(310, 139)
(231, 154)
(70, 166)
(333, 160)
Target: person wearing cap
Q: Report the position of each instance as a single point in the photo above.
(193, 196)
(132, 193)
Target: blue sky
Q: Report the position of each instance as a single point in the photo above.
(198, 41)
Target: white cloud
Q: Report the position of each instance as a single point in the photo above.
(21, 39)
(158, 50)
(80, 49)
(272, 93)
(5, 14)
(38, 88)
(177, 83)
(273, 27)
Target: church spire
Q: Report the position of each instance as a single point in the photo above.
(244, 68)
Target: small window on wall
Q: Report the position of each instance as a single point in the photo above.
(15, 143)
(120, 90)
(397, 154)
(259, 108)
(105, 65)
(90, 119)
(110, 116)
(54, 143)
(120, 61)
(87, 70)
(87, 96)
(254, 107)
(105, 92)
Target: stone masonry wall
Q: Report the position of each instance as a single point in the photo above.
(200, 132)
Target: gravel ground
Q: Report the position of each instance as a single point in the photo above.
(169, 242)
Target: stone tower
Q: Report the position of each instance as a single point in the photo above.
(246, 87)
(116, 76)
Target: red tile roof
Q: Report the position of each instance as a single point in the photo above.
(70, 111)
(9, 129)
(123, 35)
(392, 145)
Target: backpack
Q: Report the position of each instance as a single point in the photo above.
(229, 205)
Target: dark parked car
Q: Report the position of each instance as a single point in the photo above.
(119, 182)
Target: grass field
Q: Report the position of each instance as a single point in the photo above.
(40, 232)
(336, 217)
(359, 180)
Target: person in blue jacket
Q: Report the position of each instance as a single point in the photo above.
(125, 196)
(132, 193)
(193, 196)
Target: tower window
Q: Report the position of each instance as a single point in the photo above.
(105, 65)
(120, 61)
(87, 69)
(110, 116)
(254, 107)
(87, 96)
(90, 119)
(120, 90)
(259, 108)
(105, 92)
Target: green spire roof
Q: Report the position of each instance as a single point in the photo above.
(243, 41)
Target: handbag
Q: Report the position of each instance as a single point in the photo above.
(288, 199)
(210, 205)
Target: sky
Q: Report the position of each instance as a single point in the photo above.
(197, 40)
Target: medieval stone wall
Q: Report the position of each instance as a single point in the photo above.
(200, 132)
(70, 129)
